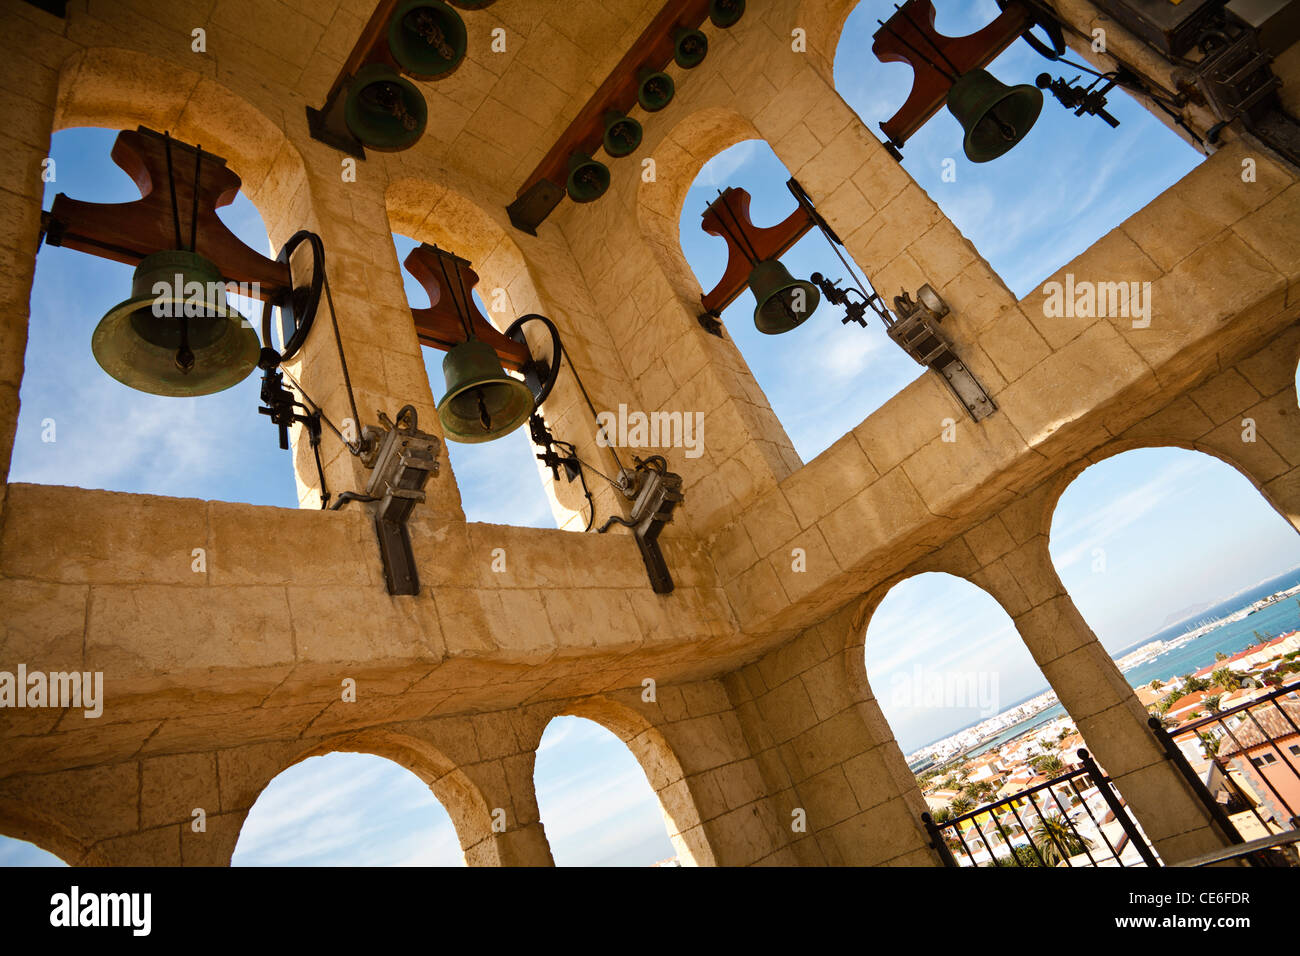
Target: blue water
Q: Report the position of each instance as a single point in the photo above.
(1266, 623)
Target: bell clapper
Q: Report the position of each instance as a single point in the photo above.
(483, 417)
(184, 357)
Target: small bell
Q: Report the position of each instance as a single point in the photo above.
(654, 90)
(622, 134)
(427, 38)
(383, 110)
(588, 179)
(784, 302)
(726, 13)
(689, 48)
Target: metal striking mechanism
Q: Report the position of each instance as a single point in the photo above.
(1089, 99)
(994, 116)
(655, 492)
(402, 458)
(176, 335)
(941, 63)
(369, 104)
(673, 35)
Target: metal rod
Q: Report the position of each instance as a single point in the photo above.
(1117, 808)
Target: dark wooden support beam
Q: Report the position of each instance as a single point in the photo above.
(652, 50)
(127, 232)
(440, 326)
(728, 217)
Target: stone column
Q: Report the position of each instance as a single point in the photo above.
(1100, 700)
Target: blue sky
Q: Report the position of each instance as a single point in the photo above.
(1028, 213)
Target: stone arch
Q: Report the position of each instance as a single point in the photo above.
(678, 159)
(22, 821)
(1062, 480)
(662, 769)
(451, 786)
(120, 89)
(823, 21)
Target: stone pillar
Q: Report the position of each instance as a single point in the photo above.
(827, 754)
(1099, 699)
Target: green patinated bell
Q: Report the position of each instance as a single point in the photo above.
(482, 402)
(726, 13)
(994, 116)
(690, 47)
(784, 302)
(427, 38)
(622, 134)
(654, 90)
(384, 110)
(176, 335)
(588, 179)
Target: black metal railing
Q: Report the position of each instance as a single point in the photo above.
(1251, 754)
(1050, 832)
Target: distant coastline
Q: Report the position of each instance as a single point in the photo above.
(1145, 655)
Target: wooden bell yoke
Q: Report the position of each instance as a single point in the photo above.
(909, 37)
(728, 217)
(127, 232)
(440, 326)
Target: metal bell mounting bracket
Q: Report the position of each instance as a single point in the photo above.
(916, 331)
(655, 492)
(402, 459)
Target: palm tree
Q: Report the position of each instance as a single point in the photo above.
(1220, 656)
(1212, 703)
(1211, 744)
(1052, 834)
(1049, 765)
(1157, 684)
(961, 804)
(1226, 678)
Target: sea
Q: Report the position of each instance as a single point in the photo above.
(1268, 622)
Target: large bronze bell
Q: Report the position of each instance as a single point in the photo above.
(384, 110)
(995, 116)
(482, 402)
(427, 38)
(176, 335)
(622, 134)
(784, 302)
(588, 179)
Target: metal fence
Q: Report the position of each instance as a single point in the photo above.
(1076, 819)
(1244, 763)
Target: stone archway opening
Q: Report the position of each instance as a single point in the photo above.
(611, 792)
(346, 806)
(980, 727)
(1191, 581)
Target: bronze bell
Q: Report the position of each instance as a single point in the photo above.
(995, 116)
(482, 401)
(784, 302)
(427, 38)
(383, 110)
(588, 179)
(176, 335)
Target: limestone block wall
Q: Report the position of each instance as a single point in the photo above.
(220, 679)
